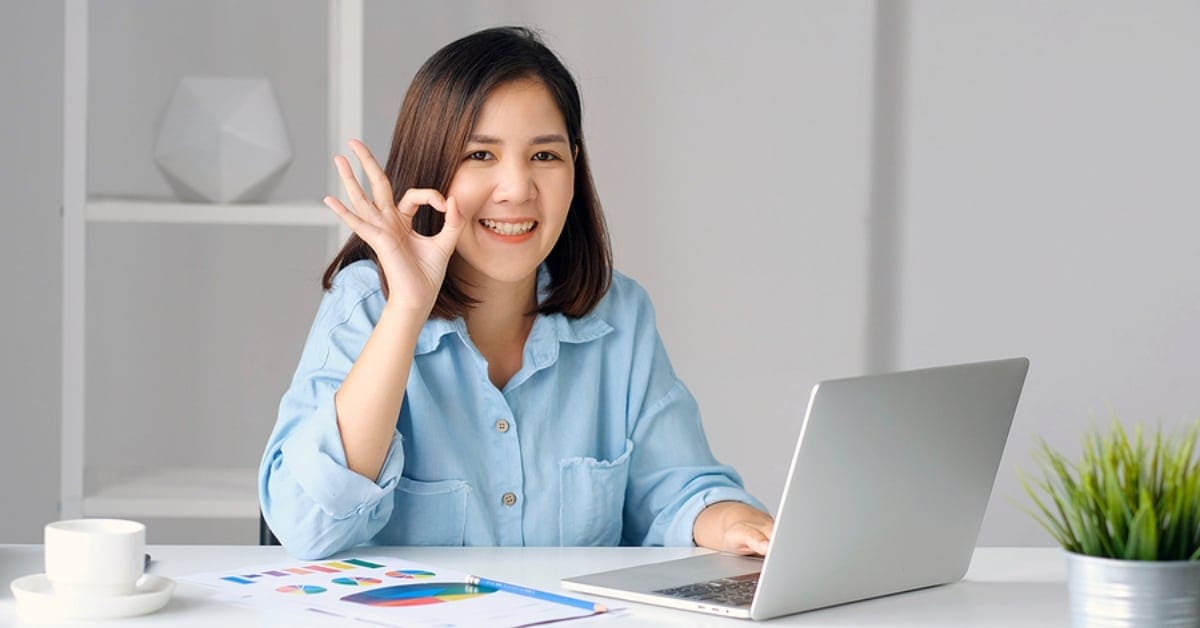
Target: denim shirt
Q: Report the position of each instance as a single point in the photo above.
(594, 441)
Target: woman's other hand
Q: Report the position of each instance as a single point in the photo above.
(414, 265)
(734, 527)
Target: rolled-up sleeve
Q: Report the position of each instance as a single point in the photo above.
(673, 473)
(312, 501)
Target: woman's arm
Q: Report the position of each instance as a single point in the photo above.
(368, 402)
(335, 455)
(311, 499)
(678, 493)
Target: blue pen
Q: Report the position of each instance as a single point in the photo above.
(534, 593)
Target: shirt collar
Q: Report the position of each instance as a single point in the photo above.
(565, 329)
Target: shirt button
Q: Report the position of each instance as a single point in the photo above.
(509, 499)
(502, 426)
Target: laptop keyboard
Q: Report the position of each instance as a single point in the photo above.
(737, 591)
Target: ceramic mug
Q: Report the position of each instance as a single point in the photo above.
(94, 557)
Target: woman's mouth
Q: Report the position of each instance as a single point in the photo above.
(509, 229)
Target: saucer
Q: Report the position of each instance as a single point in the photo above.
(35, 596)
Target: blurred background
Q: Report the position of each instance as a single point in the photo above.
(807, 190)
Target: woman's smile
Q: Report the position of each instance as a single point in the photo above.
(509, 231)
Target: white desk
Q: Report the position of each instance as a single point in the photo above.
(1005, 587)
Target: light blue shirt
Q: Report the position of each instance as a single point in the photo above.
(594, 441)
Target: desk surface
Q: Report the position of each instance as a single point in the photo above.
(1004, 587)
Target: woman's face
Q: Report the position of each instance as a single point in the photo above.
(513, 185)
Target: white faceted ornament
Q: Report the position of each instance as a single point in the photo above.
(223, 140)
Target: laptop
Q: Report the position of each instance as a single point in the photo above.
(886, 493)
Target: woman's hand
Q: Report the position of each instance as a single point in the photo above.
(734, 527)
(414, 265)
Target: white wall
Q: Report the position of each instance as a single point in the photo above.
(1044, 205)
(1051, 211)
(30, 250)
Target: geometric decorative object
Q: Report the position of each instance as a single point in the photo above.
(222, 140)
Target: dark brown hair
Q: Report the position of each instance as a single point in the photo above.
(441, 107)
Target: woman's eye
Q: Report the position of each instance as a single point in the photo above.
(544, 156)
(479, 155)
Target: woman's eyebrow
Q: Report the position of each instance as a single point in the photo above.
(553, 138)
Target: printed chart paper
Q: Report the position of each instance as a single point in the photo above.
(383, 590)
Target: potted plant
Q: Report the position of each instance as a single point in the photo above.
(1128, 516)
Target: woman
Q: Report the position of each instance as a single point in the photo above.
(477, 373)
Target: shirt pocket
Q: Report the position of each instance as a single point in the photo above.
(427, 513)
(592, 499)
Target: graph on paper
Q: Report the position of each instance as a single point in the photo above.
(383, 590)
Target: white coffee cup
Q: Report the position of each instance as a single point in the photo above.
(94, 557)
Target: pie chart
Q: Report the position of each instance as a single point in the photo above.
(419, 594)
(356, 581)
(301, 589)
(410, 574)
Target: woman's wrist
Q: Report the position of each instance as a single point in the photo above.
(403, 309)
(706, 531)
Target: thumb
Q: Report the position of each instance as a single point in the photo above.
(453, 225)
(758, 542)
(747, 539)
(766, 530)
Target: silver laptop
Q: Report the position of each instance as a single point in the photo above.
(886, 492)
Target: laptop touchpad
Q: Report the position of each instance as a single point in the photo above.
(674, 573)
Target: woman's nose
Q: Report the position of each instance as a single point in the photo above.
(515, 184)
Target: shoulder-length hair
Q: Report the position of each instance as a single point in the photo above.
(439, 111)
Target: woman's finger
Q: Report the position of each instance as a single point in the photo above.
(747, 538)
(356, 224)
(452, 226)
(414, 198)
(767, 527)
(381, 187)
(767, 530)
(353, 190)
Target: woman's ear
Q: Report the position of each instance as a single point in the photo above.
(575, 153)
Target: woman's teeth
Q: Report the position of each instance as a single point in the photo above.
(509, 228)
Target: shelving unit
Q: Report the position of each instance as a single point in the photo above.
(280, 214)
(176, 492)
(145, 490)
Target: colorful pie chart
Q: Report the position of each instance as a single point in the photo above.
(301, 589)
(356, 581)
(410, 574)
(419, 594)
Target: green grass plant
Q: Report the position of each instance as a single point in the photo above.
(1126, 500)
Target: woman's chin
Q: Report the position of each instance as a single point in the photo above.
(499, 271)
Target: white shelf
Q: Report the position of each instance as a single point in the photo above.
(169, 492)
(298, 214)
(175, 493)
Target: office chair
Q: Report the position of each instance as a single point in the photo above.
(265, 535)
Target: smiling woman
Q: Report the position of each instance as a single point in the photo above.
(515, 184)
(477, 372)
(460, 114)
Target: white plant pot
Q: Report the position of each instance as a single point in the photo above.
(1111, 593)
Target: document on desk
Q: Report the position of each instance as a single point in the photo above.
(388, 591)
